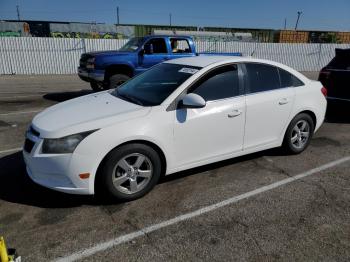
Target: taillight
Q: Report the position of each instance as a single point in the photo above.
(324, 91)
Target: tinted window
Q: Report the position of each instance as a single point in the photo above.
(288, 80)
(341, 59)
(262, 77)
(159, 46)
(219, 84)
(155, 85)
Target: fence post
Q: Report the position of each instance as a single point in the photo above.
(319, 56)
(84, 45)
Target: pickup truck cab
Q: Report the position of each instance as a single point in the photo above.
(109, 69)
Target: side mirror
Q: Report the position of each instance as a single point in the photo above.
(192, 101)
(148, 49)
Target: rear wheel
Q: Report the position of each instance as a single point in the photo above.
(298, 134)
(117, 80)
(131, 171)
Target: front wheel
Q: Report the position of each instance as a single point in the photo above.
(298, 134)
(117, 80)
(131, 171)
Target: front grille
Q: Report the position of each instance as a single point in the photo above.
(28, 145)
(34, 132)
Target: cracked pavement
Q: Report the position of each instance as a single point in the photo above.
(306, 220)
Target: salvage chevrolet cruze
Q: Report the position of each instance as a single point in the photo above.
(178, 115)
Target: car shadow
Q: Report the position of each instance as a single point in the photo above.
(64, 96)
(17, 187)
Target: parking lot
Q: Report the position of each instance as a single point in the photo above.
(263, 219)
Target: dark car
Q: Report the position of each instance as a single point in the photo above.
(336, 78)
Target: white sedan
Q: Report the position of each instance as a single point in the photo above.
(178, 115)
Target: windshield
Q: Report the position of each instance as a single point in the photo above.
(132, 45)
(155, 85)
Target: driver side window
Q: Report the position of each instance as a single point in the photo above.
(221, 83)
(158, 46)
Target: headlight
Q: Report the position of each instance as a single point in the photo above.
(90, 63)
(63, 145)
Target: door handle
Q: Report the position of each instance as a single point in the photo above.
(283, 101)
(235, 113)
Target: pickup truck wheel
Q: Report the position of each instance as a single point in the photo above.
(97, 86)
(117, 80)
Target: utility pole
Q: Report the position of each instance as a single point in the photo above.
(117, 15)
(285, 23)
(18, 14)
(296, 25)
(170, 19)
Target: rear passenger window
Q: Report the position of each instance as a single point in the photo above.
(288, 80)
(219, 84)
(262, 77)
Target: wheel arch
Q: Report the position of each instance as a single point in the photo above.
(311, 114)
(135, 141)
(118, 68)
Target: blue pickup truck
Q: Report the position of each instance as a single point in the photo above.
(108, 69)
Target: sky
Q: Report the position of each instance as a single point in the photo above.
(316, 14)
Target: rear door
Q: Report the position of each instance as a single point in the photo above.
(269, 104)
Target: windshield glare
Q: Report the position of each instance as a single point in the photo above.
(132, 45)
(155, 85)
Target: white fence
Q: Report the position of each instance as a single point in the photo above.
(25, 55)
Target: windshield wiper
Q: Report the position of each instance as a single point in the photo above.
(129, 98)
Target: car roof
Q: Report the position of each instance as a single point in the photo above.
(204, 60)
(169, 36)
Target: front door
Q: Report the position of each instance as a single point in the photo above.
(156, 52)
(217, 129)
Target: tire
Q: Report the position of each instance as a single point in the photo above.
(299, 134)
(97, 86)
(117, 80)
(121, 166)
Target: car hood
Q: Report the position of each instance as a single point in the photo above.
(85, 113)
(112, 52)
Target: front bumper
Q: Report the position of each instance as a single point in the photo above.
(59, 172)
(91, 76)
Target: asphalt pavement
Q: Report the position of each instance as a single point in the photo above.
(306, 219)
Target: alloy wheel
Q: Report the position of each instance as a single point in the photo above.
(300, 134)
(132, 173)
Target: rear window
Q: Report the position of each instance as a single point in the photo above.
(262, 77)
(289, 80)
(341, 59)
